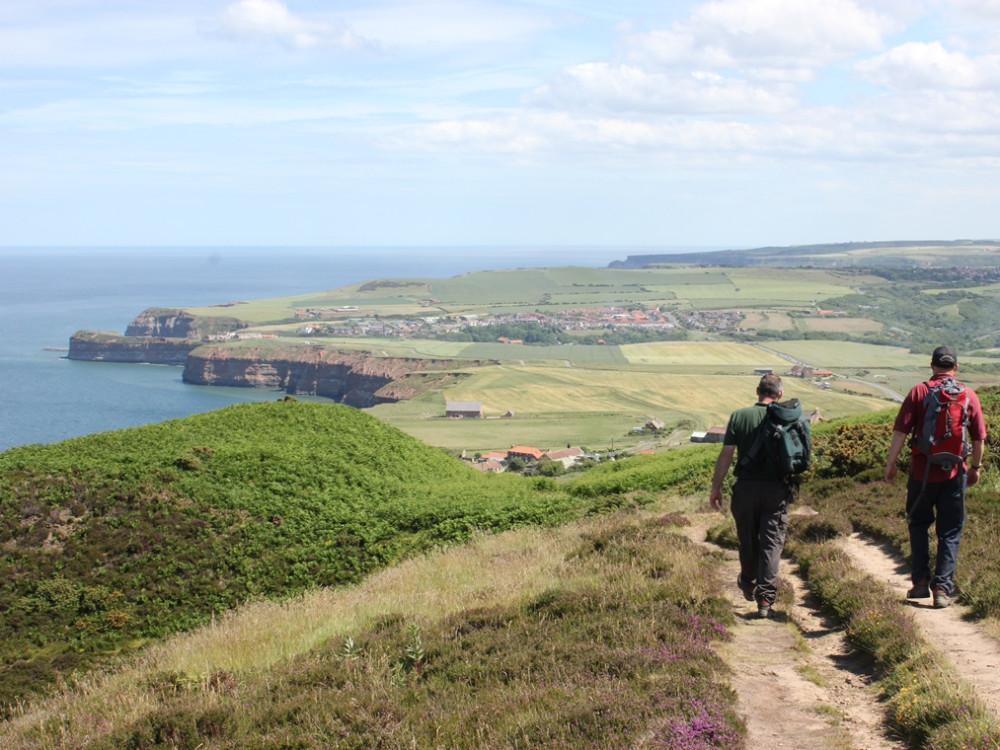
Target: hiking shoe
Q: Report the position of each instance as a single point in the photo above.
(763, 609)
(919, 591)
(942, 599)
(747, 589)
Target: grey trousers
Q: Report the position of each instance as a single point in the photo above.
(760, 509)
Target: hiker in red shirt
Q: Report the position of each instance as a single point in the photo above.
(937, 480)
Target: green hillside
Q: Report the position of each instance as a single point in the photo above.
(586, 628)
(116, 538)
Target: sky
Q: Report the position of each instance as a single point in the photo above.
(627, 123)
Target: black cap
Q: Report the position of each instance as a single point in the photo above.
(944, 356)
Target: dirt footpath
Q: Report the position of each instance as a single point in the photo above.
(798, 683)
(975, 654)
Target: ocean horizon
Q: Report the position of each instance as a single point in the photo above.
(49, 293)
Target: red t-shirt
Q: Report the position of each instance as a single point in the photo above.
(910, 419)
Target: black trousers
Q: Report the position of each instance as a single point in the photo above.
(760, 509)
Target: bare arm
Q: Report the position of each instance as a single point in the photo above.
(975, 462)
(721, 468)
(895, 448)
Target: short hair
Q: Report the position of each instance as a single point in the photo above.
(769, 386)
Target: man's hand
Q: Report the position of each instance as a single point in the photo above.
(715, 498)
(895, 448)
(721, 467)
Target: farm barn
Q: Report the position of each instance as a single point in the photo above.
(464, 409)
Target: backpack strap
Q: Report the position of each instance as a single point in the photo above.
(755, 446)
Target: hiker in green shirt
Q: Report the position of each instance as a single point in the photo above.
(760, 499)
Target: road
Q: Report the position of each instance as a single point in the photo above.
(889, 392)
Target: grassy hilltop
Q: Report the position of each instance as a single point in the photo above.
(116, 538)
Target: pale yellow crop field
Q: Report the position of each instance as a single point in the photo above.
(705, 354)
(553, 407)
(704, 399)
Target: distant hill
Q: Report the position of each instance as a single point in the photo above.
(865, 254)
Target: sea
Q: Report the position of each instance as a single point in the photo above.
(47, 294)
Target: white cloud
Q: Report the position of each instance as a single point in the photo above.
(99, 41)
(923, 65)
(765, 39)
(628, 88)
(272, 20)
(726, 57)
(558, 136)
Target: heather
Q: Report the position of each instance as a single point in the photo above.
(929, 705)
(392, 606)
(118, 538)
(610, 645)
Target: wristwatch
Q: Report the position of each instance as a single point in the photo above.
(977, 468)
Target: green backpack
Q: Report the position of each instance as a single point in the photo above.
(783, 439)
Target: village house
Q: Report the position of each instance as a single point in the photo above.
(489, 466)
(524, 452)
(567, 456)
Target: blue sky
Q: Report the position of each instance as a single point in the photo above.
(730, 123)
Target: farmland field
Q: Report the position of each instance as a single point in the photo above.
(703, 354)
(562, 288)
(768, 320)
(845, 325)
(845, 354)
(556, 405)
(576, 393)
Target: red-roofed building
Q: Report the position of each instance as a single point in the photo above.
(524, 451)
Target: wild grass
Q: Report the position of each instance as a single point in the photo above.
(592, 635)
(115, 539)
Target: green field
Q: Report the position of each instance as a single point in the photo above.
(596, 395)
(554, 405)
(552, 289)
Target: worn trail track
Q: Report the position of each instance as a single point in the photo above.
(799, 684)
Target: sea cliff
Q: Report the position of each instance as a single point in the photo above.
(166, 336)
(101, 346)
(350, 377)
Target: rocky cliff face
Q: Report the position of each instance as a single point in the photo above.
(172, 323)
(97, 346)
(354, 378)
